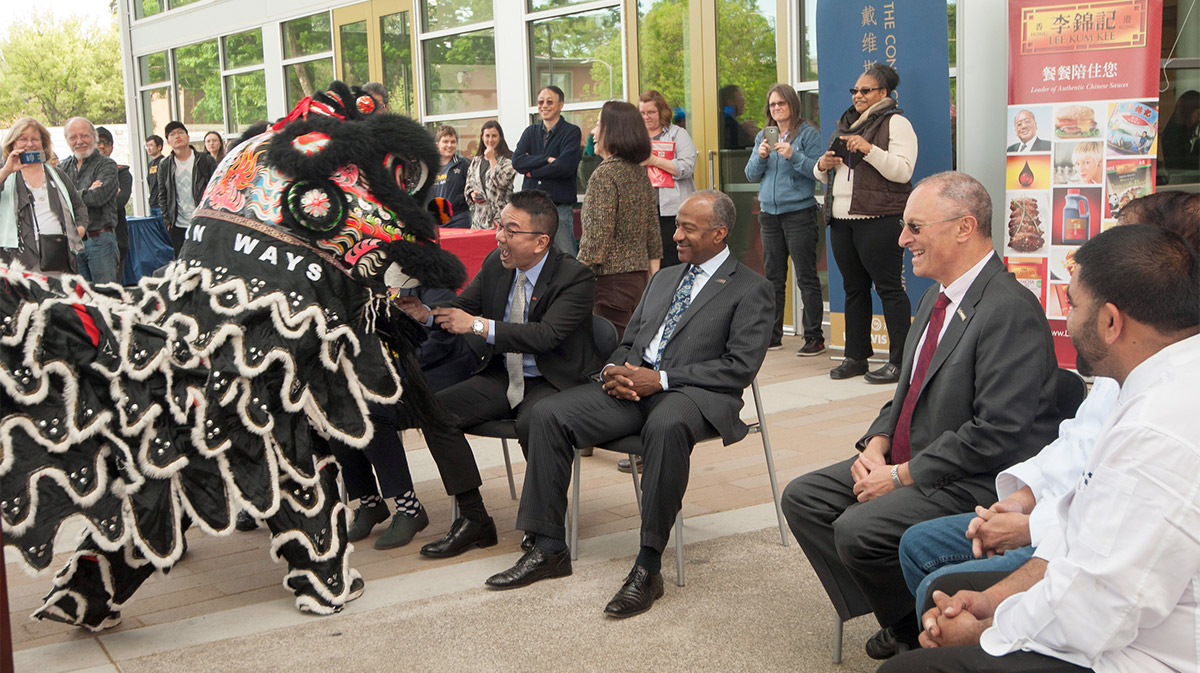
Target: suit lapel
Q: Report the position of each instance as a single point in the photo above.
(714, 286)
(543, 282)
(959, 320)
(658, 303)
(499, 296)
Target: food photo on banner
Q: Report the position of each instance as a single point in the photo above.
(912, 38)
(1090, 71)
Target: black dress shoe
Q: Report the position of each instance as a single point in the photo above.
(883, 645)
(245, 523)
(463, 535)
(637, 594)
(527, 542)
(533, 566)
(889, 373)
(848, 369)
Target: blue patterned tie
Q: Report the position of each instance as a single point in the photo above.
(679, 306)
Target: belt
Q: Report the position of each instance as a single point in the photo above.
(96, 232)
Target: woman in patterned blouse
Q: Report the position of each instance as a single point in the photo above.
(620, 240)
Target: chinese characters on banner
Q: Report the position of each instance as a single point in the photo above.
(1082, 134)
(912, 37)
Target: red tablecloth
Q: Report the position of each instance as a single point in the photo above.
(469, 245)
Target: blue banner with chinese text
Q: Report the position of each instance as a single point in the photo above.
(911, 36)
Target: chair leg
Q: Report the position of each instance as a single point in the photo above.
(453, 508)
(766, 440)
(637, 482)
(837, 639)
(575, 508)
(512, 487)
(679, 549)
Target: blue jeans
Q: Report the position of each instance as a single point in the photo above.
(565, 238)
(793, 234)
(98, 261)
(938, 547)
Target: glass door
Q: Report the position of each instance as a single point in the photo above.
(373, 41)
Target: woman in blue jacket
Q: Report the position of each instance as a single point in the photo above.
(788, 211)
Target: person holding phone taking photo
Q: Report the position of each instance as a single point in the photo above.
(868, 170)
(787, 152)
(43, 219)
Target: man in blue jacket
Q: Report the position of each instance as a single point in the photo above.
(548, 156)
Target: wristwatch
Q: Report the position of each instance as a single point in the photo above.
(477, 326)
(896, 477)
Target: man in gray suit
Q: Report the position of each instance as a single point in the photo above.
(695, 342)
(976, 395)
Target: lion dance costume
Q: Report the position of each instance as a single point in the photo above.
(217, 386)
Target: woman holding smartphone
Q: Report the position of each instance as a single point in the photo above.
(42, 217)
(868, 170)
(490, 177)
(787, 151)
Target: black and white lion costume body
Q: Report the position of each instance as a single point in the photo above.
(218, 386)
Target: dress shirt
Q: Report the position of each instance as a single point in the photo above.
(1122, 582)
(1052, 473)
(529, 362)
(707, 269)
(955, 292)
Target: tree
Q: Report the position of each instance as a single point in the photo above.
(56, 67)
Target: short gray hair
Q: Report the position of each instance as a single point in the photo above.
(85, 120)
(724, 213)
(967, 193)
(376, 89)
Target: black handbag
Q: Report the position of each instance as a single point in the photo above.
(54, 253)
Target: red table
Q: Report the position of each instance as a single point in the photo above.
(469, 245)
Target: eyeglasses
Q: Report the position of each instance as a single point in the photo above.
(917, 228)
(866, 90)
(778, 103)
(510, 232)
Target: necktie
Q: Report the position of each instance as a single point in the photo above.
(1023, 148)
(515, 362)
(901, 450)
(679, 306)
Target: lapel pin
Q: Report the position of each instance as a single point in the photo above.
(961, 315)
(720, 281)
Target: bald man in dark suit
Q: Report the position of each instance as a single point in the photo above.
(696, 340)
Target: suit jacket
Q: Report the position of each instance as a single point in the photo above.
(1039, 145)
(558, 331)
(988, 399)
(718, 345)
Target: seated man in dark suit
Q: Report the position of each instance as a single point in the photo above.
(531, 304)
(694, 343)
(976, 395)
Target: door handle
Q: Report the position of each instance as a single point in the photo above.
(712, 169)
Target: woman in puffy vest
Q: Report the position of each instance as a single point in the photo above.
(868, 170)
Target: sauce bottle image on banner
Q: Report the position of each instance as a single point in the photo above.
(1076, 218)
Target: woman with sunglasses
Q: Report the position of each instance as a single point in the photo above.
(788, 148)
(868, 169)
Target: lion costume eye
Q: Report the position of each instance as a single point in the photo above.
(410, 174)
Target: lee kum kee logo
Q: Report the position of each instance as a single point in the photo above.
(1084, 26)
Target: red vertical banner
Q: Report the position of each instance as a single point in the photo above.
(1082, 134)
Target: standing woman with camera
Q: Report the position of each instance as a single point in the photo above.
(787, 151)
(42, 217)
(868, 170)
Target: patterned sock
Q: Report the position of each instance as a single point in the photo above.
(549, 545)
(370, 501)
(408, 505)
(650, 559)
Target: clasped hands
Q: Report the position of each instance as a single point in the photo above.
(871, 472)
(630, 382)
(956, 620)
(998, 528)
